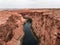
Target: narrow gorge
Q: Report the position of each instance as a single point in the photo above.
(30, 27)
(29, 38)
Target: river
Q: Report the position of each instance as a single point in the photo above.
(28, 39)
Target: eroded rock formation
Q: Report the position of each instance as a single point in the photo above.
(45, 26)
(11, 29)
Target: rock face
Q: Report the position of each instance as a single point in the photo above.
(45, 25)
(11, 28)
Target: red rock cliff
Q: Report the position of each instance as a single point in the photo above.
(11, 28)
(45, 26)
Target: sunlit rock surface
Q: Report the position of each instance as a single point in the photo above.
(45, 26)
(11, 28)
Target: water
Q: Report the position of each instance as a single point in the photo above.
(28, 38)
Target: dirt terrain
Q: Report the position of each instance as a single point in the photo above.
(45, 26)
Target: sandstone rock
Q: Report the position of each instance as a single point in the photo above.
(46, 25)
(11, 28)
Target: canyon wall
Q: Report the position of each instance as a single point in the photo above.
(45, 26)
(11, 28)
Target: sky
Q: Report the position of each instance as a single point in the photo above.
(4, 4)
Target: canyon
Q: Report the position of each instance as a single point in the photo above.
(45, 26)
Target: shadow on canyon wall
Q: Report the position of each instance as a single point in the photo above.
(29, 38)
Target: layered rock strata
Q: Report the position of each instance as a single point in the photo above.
(11, 28)
(45, 25)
